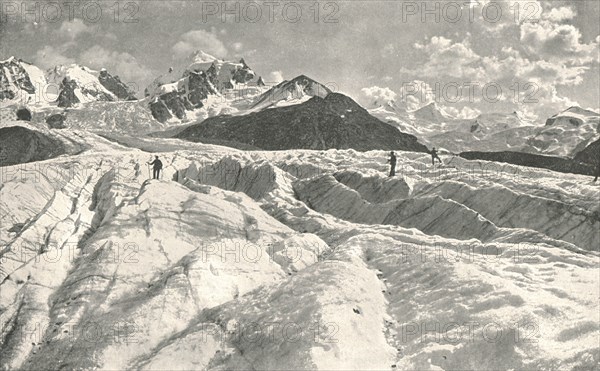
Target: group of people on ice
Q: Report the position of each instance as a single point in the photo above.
(434, 156)
(157, 164)
(392, 161)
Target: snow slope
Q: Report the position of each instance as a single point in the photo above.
(294, 259)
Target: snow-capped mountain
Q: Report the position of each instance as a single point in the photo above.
(433, 113)
(80, 84)
(20, 82)
(205, 86)
(564, 134)
(567, 132)
(286, 93)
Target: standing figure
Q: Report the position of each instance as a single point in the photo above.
(597, 171)
(157, 166)
(434, 156)
(392, 162)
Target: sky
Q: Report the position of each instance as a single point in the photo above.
(470, 57)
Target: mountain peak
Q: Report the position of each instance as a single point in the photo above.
(431, 112)
(297, 90)
(199, 56)
(579, 111)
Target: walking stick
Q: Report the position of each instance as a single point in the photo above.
(148, 165)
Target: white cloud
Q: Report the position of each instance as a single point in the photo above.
(448, 58)
(557, 41)
(274, 77)
(560, 14)
(48, 57)
(375, 95)
(74, 28)
(199, 40)
(464, 113)
(416, 94)
(534, 57)
(237, 46)
(122, 64)
(35, 28)
(389, 50)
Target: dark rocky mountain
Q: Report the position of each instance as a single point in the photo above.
(14, 78)
(115, 86)
(188, 96)
(591, 154)
(335, 121)
(20, 145)
(184, 89)
(68, 93)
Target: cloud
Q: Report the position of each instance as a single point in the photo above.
(536, 60)
(48, 57)
(274, 77)
(464, 113)
(237, 46)
(560, 14)
(416, 94)
(561, 42)
(376, 95)
(389, 50)
(448, 58)
(35, 28)
(122, 64)
(199, 40)
(74, 28)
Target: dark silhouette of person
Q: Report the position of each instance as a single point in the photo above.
(392, 162)
(156, 166)
(597, 171)
(434, 155)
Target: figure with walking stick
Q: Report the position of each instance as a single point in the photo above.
(156, 167)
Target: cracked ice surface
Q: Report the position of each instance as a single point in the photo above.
(294, 260)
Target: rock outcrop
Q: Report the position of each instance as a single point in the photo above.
(590, 154)
(23, 114)
(115, 86)
(56, 121)
(16, 83)
(21, 145)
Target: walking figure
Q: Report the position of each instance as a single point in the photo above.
(597, 171)
(434, 156)
(156, 167)
(392, 162)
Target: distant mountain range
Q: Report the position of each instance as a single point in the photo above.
(64, 86)
(564, 134)
(235, 105)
